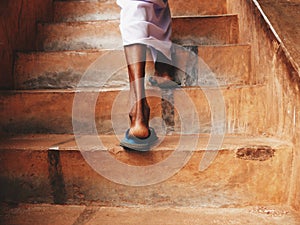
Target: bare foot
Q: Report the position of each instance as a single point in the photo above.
(139, 118)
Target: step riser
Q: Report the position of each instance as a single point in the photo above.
(106, 34)
(60, 69)
(78, 36)
(206, 30)
(88, 11)
(231, 65)
(24, 112)
(197, 7)
(85, 11)
(67, 178)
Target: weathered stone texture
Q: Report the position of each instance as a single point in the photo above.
(54, 162)
(240, 103)
(229, 65)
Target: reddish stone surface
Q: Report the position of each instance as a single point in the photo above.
(51, 168)
(231, 65)
(18, 31)
(26, 110)
(106, 34)
(274, 60)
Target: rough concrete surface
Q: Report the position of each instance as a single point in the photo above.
(106, 34)
(230, 64)
(243, 105)
(50, 168)
(92, 215)
(258, 174)
(284, 16)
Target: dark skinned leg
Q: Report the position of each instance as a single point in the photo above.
(163, 69)
(139, 114)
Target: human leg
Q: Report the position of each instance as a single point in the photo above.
(163, 67)
(139, 113)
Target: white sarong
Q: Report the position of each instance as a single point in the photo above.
(146, 22)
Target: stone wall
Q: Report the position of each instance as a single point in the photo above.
(295, 192)
(271, 67)
(18, 31)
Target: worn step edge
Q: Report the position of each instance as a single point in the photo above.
(66, 142)
(64, 177)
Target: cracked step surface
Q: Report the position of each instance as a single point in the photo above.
(247, 171)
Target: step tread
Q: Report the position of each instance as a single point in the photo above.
(93, 215)
(66, 142)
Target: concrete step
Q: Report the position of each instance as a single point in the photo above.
(70, 11)
(25, 111)
(41, 70)
(106, 34)
(93, 215)
(247, 171)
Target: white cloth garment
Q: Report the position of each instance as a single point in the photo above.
(146, 22)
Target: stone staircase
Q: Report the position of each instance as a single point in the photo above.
(47, 169)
